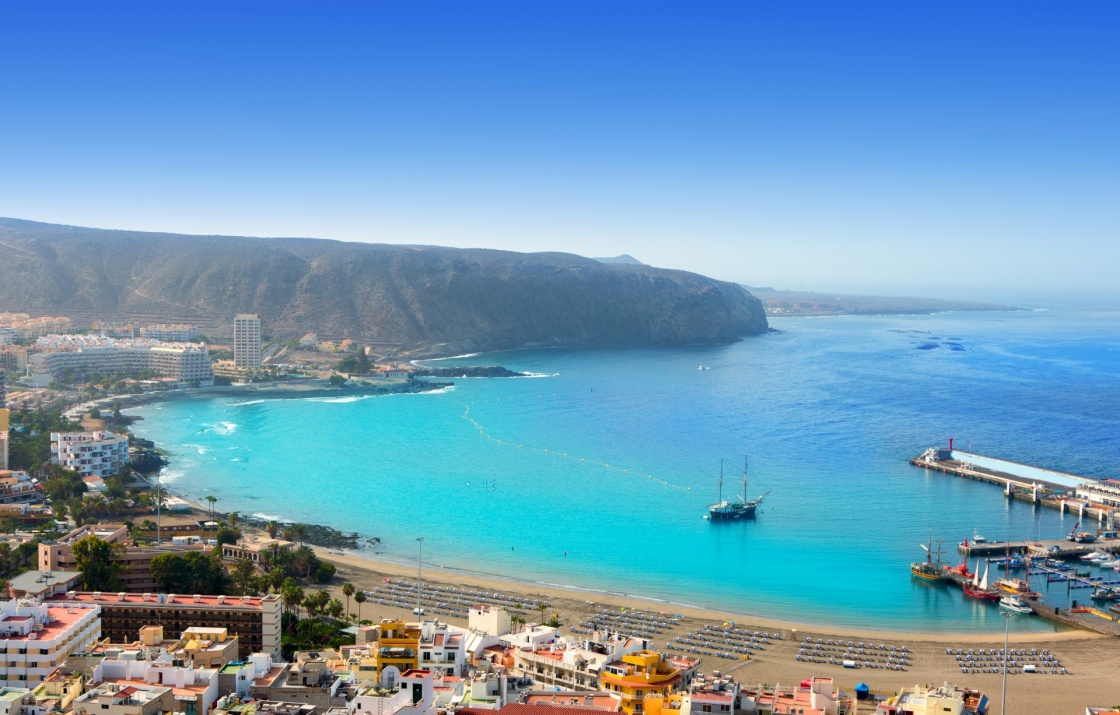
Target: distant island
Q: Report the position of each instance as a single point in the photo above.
(808, 303)
(406, 301)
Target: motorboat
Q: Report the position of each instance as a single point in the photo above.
(1014, 603)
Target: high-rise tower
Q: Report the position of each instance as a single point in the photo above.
(247, 341)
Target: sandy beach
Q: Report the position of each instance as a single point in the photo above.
(1091, 659)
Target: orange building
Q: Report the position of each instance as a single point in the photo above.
(638, 675)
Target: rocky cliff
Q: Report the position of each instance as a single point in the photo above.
(435, 300)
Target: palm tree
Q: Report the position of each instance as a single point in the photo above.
(292, 596)
(232, 518)
(360, 598)
(348, 591)
(211, 499)
(541, 607)
(272, 528)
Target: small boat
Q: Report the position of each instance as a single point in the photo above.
(1109, 564)
(978, 539)
(928, 570)
(1012, 563)
(703, 367)
(1014, 603)
(1095, 556)
(1104, 593)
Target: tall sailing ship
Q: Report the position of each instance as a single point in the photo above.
(978, 587)
(929, 570)
(738, 508)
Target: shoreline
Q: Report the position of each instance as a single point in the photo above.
(557, 592)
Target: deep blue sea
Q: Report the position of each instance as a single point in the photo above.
(510, 477)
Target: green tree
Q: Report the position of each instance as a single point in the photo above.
(95, 559)
(191, 572)
(292, 596)
(335, 608)
(360, 598)
(227, 535)
(337, 380)
(11, 525)
(211, 499)
(233, 517)
(243, 576)
(272, 528)
(116, 409)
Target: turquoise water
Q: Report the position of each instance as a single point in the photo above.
(829, 409)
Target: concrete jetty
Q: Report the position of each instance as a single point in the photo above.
(1022, 482)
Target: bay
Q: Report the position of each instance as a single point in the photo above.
(596, 473)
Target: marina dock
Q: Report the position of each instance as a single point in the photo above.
(1052, 548)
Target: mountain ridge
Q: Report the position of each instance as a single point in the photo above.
(428, 299)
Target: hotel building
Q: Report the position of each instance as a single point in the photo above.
(247, 341)
(37, 636)
(83, 355)
(255, 620)
(90, 454)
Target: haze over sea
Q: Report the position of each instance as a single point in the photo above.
(829, 409)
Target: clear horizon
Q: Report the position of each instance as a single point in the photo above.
(947, 150)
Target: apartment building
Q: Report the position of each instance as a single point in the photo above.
(4, 437)
(14, 486)
(84, 355)
(637, 676)
(247, 341)
(255, 620)
(27, 328)
(90, 454)
(36, 636)
(128, 686)
(570, 663)
(171, 333)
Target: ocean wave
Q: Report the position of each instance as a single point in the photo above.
(340, 400)
(464, 356)
(538, 374)
(168, 476)
(246, 403)
(269, 517)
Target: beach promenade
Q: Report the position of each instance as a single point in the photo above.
(1091, 660)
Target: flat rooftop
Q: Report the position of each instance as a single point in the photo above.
(1022, 471)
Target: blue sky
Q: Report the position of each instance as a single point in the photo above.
(940, 148)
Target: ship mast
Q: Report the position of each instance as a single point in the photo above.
(744, 496)
(720, 499)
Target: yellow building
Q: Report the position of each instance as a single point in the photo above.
(398, 645)
(637, 676)
(670, 704)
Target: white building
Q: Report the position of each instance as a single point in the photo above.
(90, 454)
(84, 354)
(37, 637)
(195, 689)
(442, 649)
(171, 333)
(1106, 492)
(247, 341)
(570, 663)
(413, 694)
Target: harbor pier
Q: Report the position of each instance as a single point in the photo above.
(1023, 482)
